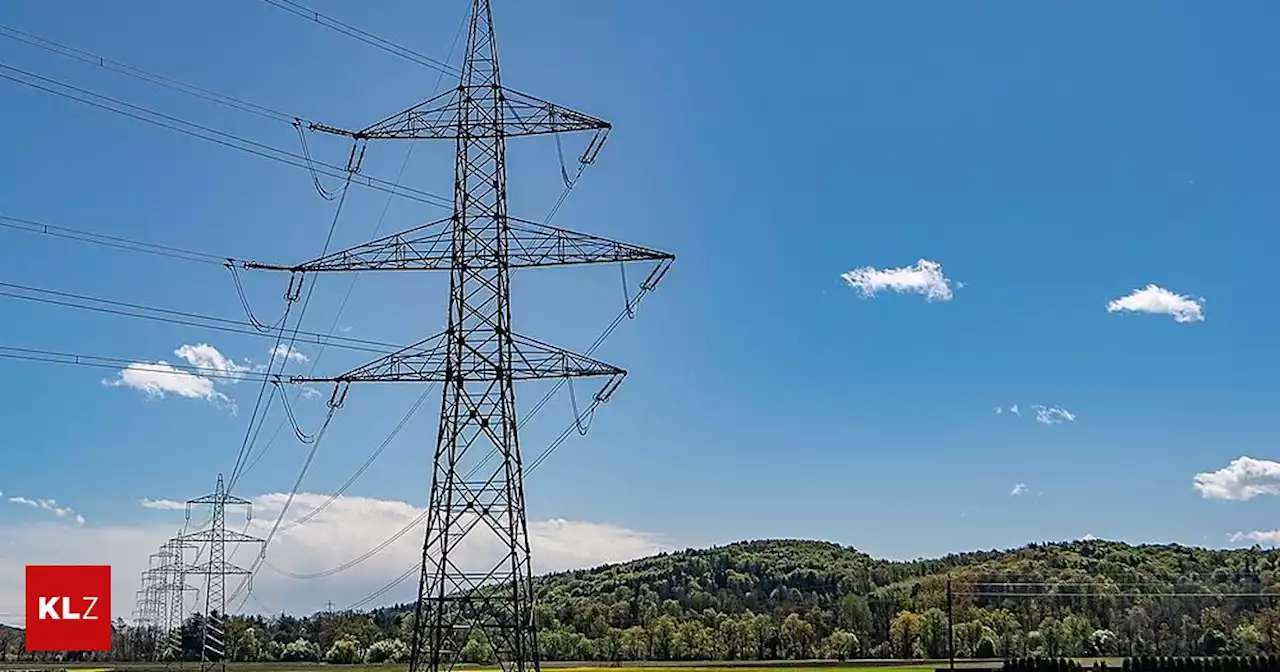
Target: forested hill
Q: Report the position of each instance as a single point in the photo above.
(790, 598)
(805, 599)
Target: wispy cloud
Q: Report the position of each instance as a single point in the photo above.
(1242, 479)
(159, 379)
(1160, 301)
(346, 527)
(1053, 415)
(1012, 409)
(163, 504)
(1269, 537)
(1019, 490)
(287, 352)
(50, 505)
(925, 278)
(309, 392)
(1257, 536)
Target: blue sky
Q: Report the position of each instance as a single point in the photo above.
(1051, 158)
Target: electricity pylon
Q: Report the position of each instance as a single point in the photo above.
(479, 356)
(213, 637)
(175, 591)
(148, 611)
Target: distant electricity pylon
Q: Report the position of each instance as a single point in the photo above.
(479, 356)
(175, 581)
(160, 608)
(213, 636)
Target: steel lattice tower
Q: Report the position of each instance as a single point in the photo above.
(216, 570)
(478, 358)
(176, 583)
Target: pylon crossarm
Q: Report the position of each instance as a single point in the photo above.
(224, 568)
(429, 247)
(229, 536)
(429, 361)
(437, 118)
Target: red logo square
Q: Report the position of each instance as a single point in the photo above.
(68, 608)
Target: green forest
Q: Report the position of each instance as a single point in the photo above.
(787, 599)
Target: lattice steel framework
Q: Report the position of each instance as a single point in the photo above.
(478, 357)
(175, 590)
(216, 569)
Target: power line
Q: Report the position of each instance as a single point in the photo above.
(169, 316)
(315, 362)
(251, 433)
(632, 303)
(365, 36)
(79, 235)
(386, 588)
(116, 363)
(395, 431)
(138, 73)
(334, 404)
(202, 132)
(577, 422)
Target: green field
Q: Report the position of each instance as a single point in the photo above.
(684, 667)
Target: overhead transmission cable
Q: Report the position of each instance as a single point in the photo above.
(364, 36)
(116, 363)
(578, 419)
(395, 431)
(138, 73)
(203, 132)
(564, 435)
(141, 311)
(628, 312)
(247, 582)
(261, 559)
(342, 305)
(79, 235)
(251, 432)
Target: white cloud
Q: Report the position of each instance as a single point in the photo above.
(286, 352)
(1053, 415)
(1019, 490)
(999, 410)
(50, 505)
(1088, 537)
(343, 531)
(207, 357)
(164, 504)
(1014, 410)
(1268, 537)
(1244, 478)
(924, 278)
(309, 392)
(159, 379)
(1160, 301)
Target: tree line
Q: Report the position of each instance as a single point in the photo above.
(785, 599)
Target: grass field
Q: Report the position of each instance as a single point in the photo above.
(685, 667)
